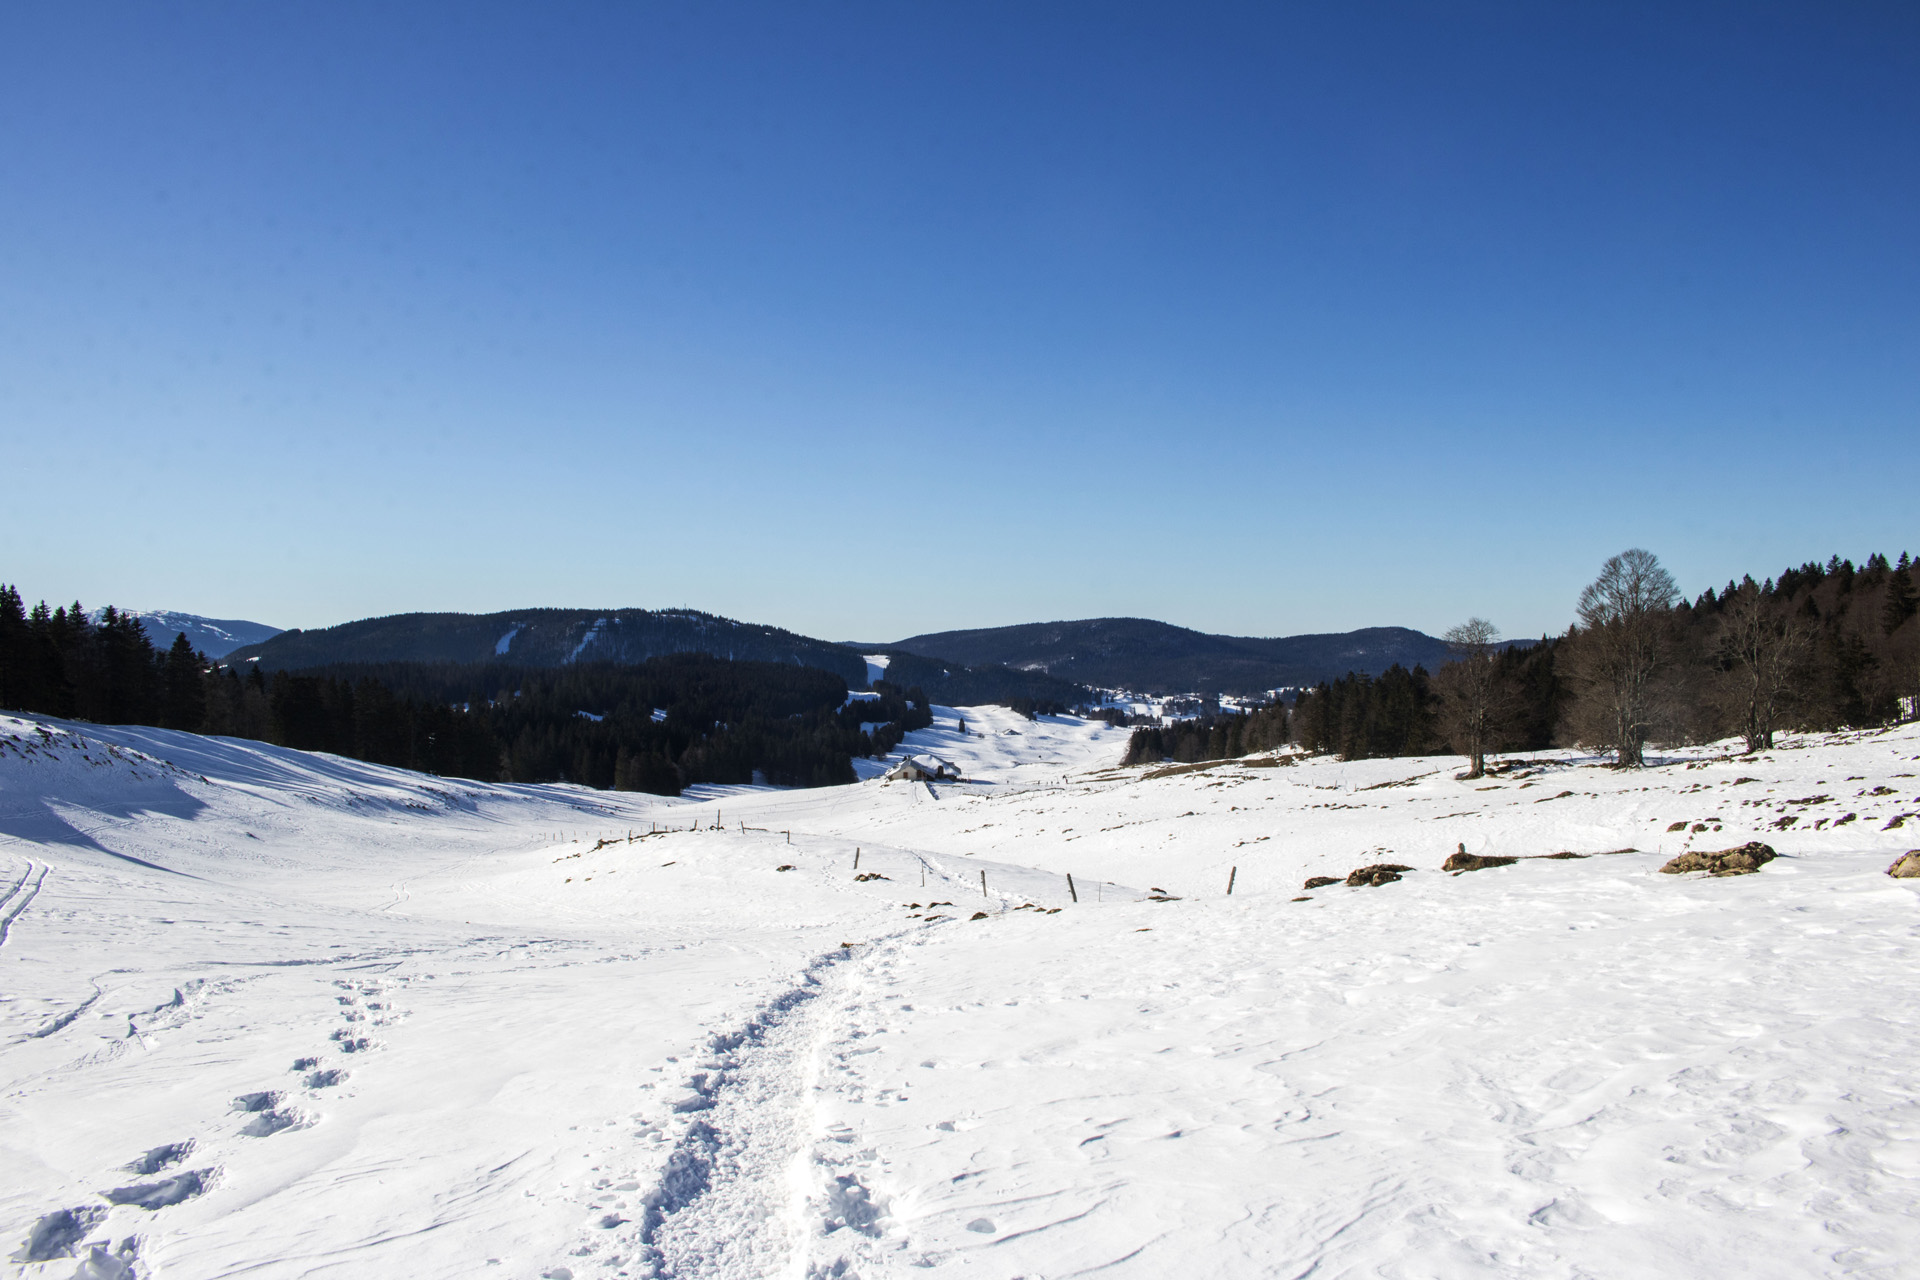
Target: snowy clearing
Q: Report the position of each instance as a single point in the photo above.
(276, 1014)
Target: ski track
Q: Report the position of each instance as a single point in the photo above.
(16, 902)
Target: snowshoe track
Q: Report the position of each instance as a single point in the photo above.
(726, 1206)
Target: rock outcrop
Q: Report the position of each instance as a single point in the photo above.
(1315, 882)
(1743, 860)
(1907, 866)
(1378, 874)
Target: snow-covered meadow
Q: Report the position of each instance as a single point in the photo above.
(274, 1014)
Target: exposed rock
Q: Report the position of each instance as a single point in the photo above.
(1315, 882)
(1378, 874)
(1741, 861)
(1907, 867)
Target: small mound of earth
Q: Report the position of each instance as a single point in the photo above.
(1464, 861)
(1742, 860)
(1378, 874)
(1907, 867)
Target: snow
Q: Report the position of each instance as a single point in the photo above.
(592, 633)
(572, 1044)
(877, 666)
(506, 641)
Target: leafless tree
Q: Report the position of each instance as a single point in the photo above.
(1620, 649)
(1469, 688)
(1763, 649)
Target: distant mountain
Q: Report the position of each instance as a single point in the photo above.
(1148, 656)
(549, 638)
(1045, 661)
(215, 637)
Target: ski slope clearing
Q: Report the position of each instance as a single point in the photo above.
(270, 1013)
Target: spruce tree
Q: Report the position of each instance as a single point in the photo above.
(1901, 600)
(14, 645)
(185, 687)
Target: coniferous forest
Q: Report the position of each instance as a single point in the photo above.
(655, 726)
(1821, 647)
(1210, 736)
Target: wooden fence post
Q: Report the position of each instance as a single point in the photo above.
(1070, 889)
(1230, 875)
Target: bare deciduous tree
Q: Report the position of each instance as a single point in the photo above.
(1620, 650)
(1470, 692)
(1763, 649)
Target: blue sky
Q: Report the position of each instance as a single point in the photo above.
(868, 320)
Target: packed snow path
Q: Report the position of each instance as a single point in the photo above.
(274, 1014)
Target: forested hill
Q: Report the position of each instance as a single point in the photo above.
(549, 638)
(1140, 654)
(954, 684)
(215, 637)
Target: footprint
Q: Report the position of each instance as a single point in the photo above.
(159, 1158)
(268, 1123)
(982, 1225)
(326, 1079)
(159, 1195)
(305, 1064)
(56, 1234)
(269, 1117)
(849, 1204)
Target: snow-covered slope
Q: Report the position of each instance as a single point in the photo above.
(540, 1031)
(215, 637)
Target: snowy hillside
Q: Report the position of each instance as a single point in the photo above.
(548, 638)
(215, 637)
(280, 1014)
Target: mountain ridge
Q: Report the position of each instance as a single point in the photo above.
(548, 637)
(1151, 656)
(1041, 660)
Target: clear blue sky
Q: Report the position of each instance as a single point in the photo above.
(866, 320)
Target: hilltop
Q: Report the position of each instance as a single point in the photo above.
(549, 638)
(1141, 654)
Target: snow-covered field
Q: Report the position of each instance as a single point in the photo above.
(304, 1016)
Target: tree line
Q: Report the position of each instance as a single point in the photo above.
(656, 726)
(1211, 735)
(1820, 647)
